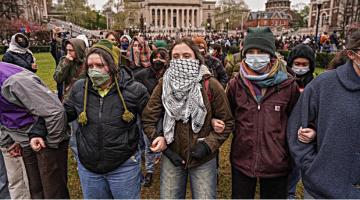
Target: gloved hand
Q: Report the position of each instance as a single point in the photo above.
(174, 157)
(200, 150)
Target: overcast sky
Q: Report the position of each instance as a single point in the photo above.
(253, 4)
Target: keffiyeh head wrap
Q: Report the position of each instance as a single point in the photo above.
(182, 97)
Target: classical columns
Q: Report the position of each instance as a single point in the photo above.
(177, 18)
(166, 18)
(161, 18)
(156, 17)
(172, 18)
(192, 18)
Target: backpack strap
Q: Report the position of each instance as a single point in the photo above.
(208, 92)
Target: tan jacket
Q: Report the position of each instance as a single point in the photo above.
(185, 138)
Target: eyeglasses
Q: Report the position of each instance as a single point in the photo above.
(136, 45)
(70, 50)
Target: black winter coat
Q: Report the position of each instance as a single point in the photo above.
(217, 69)
(106, 141)
(22, 60)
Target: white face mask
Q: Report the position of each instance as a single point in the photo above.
(257, 61)
(300, 70)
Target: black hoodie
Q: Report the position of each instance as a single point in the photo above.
(303, 51)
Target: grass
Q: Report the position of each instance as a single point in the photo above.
(46, 67)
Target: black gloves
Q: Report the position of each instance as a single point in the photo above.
(200, 150)
(174, 157)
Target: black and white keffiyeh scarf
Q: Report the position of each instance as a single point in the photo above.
(182, 97)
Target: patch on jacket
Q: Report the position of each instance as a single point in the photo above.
(277, 108)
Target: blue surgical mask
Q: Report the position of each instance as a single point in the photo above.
(300, 70)
(257, 62)
(124, 45)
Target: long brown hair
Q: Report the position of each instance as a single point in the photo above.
(191, 45)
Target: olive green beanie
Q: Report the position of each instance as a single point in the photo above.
(113, 50)
(260, 38)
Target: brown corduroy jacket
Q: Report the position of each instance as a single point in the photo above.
(184, 137)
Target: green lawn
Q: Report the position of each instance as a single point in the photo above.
(46, 66)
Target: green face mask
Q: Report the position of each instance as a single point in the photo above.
(98, 78)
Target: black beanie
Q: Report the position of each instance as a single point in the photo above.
(260, 38)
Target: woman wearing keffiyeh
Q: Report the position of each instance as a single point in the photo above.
(190, 98)
(261, 97)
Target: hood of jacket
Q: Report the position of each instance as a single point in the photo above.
(79, 47)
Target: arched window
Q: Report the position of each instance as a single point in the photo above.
(324, 19)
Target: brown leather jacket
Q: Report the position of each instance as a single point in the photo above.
(185, 138)
(259, 147)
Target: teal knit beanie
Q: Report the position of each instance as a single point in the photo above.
(260, 38)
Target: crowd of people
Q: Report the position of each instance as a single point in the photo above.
(177, 100)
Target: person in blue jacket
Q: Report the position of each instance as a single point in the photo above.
(330, 163)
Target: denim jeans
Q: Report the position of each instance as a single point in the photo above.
(121, 183)
(294, 178)
(150, 156)
(173, 180)
(72, 143)
(4, 191)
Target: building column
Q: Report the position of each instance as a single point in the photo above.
(193, 18)
(182, 18)
(187, 18)
(166, 18)
(156, 18)
(201, 17)
(161, 18)
(177, 18)
(172, 18)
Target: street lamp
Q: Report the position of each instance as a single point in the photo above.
(319, 4)
(227, 27)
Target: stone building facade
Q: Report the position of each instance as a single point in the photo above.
(169, 16)
(335, 14)
(35, 10)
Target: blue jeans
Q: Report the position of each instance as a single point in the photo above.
(173, 180)
(4, 191)
(121, 183)
(72, 143)
(294, 178)
(149, 155)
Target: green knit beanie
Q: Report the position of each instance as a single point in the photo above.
(260, 38)
(106, 45)
(161, 44)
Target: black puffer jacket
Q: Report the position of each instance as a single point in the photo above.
(106, 141)
(217, 69)
(23, 60)
(147, 76)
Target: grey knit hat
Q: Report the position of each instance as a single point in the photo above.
(260, 38)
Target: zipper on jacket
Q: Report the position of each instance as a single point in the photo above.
(101, 107)
(257, 138)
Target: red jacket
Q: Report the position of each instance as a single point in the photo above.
(259, 147)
